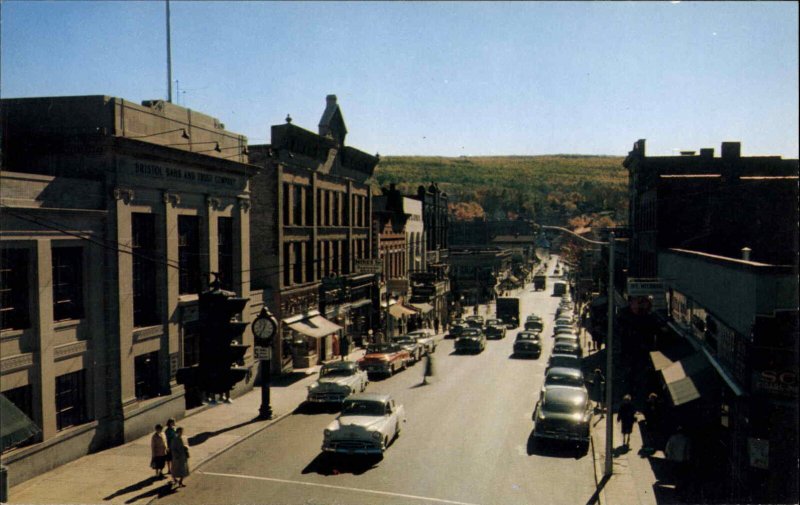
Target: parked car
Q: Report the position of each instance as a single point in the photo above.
(567, 337)
(564, 376)
(384, 358)
(475, 321)
(534, 325)
(426, 337)
(495, 328)
(568, 347)
(563, 413)
(471, 340)
(369, 422)
(565, 321)
(337, 380)
(563, 360)
(528, 343)
(564, 328)
(410, 344)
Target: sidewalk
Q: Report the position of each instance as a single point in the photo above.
(122, 474)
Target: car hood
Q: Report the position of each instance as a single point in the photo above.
(337, 381)
(377, 356)
(355, 422)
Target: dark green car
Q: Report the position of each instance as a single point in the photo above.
(563, 414)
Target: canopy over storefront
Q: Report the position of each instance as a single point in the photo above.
(312, 325)
(399, 310)
(15, 427)
(690, 379)
(423, 307)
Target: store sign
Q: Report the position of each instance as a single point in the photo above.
(262, 353)
(368, 266)
(777, 382)
(649, 288)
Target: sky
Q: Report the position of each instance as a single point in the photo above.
(435, 78)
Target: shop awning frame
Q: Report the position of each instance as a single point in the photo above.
(689, 379)
(15, 427)
(399, 310)
(423, 307)
(312, 324)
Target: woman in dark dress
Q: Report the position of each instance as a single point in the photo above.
(626, 416)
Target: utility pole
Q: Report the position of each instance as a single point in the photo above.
(609, 360)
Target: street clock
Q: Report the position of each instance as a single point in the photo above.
(264, 328)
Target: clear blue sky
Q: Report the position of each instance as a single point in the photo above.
(447, 78)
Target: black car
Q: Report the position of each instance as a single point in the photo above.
(495, 328)
(564, 376)
(456, 327)
(470, 340)
(528, 343)
(563, 413)
(567, 347)
(475, 321)
(564, 360)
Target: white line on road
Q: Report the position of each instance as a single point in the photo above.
(342, 488)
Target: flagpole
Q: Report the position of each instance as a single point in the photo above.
(169, 59)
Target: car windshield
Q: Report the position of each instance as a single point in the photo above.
(562, 403)
(493, 321)
(336, 372)
(363, 408)
(381, 348)
(568, 361)
(527, 336)
(563, 380)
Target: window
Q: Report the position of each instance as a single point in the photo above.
(14, 312)
(287, 264)
(336, 211)
(225, 252)
(309, 261)
(327, 261)
(297, 206)
(189, 254)
(297, 263)
(67, 283)
(191, 343)
(320, 206)
(309, 206)
(346, 210)
(345, 256)
(70, 399)
(286, 196)
(145, 301)
(337, 251)
(145, 370)
(22, 398)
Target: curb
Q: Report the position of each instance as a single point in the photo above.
(600, 494)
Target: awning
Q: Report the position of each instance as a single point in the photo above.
(670, 354)
(16, 426)
(399, 310)
(314, 326)
(689, 379)
(423, 307)
(512, 279)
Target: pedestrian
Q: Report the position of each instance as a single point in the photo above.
(598, 389)
(180, 458)
(679, 451)
(158, 451)
(436, 325)
(428, 369)
(626, 416)
(653, 414)
(169, 434)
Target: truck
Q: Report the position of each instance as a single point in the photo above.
(540, 282)
(559, 288)
(508, 311)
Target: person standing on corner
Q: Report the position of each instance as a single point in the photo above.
(169, 433)
(626, 416)
(180, 458)
(158, 451)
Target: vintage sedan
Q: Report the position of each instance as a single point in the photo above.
(534, 324)
(456, 328)
(427, 338)
(384, 358)
(564, 376)
(410, 344)
(475, 321)
(337, 380)
(495, 328)
(567, 347)
(471, 340)
(563, 360)
(563, 413)
(528, 343)
(369, 422)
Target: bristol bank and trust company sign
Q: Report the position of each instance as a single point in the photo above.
(167, 175)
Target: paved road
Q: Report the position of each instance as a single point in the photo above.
(467, 441)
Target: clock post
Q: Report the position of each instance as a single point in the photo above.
(264, 327)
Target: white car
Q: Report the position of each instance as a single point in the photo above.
(337, 380)
(426, 337)
(367, 425)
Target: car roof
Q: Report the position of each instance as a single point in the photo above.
(564, 370)
(565, 395)
(528, 334)
(372, 397)
(569, 357)
(470, 330)
(340, 365)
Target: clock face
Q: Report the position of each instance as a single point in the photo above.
(263, 328)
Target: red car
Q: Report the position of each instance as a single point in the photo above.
(385, 358)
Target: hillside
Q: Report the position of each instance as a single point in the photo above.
(553, 188)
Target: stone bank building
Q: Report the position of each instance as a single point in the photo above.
(113, 214)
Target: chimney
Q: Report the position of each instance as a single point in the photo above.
(746, 253)
(731, 150)
(707, 152)
(687, 153)
(330, 100)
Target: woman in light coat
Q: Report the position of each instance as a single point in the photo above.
(180, 458)
(158, 451)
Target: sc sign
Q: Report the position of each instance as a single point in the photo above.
(783, 382)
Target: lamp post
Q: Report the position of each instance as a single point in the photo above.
(609, 342)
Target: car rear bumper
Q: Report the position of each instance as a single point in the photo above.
(567, 436)
(326, 397)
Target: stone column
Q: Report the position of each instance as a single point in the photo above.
(43, 317)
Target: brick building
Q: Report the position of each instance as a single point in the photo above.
(311, 223)
(113, 215)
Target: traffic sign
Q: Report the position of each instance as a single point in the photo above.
(262, 353)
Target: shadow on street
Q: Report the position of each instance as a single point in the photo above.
(133, 487)
(202, 437)
(159, 492)
(595, 498)
(335, 464)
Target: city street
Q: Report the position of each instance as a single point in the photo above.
(467, 440)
